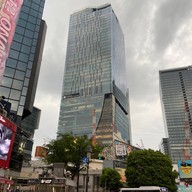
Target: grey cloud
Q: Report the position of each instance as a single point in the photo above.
(169, 17)
(143, 82)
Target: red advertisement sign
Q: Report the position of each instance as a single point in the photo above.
(9, 12)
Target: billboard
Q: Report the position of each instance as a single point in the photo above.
(7, 136)
(185, 169)
(120, 149)
(9, 12)
(122, 174)
(41, 151)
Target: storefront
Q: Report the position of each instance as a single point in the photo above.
(5, 184)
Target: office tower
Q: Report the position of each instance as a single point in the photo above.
(23, 65)
(94, 95)
(164, 146)
(176, 94)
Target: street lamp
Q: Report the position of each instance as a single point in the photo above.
(78, 167)
(89, 151)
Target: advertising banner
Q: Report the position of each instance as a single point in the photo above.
(185, 169)
(9, 12)
(41, 151)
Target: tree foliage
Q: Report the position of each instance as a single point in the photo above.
(110, 179)
(150, 168)
(70, 149)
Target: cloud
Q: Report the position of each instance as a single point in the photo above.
(168, 20)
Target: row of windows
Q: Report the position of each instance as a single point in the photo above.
(15, 96)
(14, 83)
(89, 19)
(89, 90)
(35, 4)
(25, 40)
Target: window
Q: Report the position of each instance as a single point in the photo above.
(11, 63)
(29, 33)
(27, 41)
(7, 82)
(26, 82)
(23, 15)
(24, 57)
(22, 66)
(24, 92)
(30, 26)
(20, 111)
(20, 30)
(15, 45)
(14, 54)
(4, 91)
(25, 9)
(21, 23)
(14, 105)
(15, 95)
(17, 84)
(19, 75)
(32, 19)
(9, 72)
(35, 6)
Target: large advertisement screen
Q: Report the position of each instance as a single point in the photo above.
(9, 12)
(7, 136)
(185, 169)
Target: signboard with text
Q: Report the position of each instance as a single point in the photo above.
(9, 12)
(185, 169)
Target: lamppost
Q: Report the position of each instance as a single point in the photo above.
(78, 167)
(89, 151)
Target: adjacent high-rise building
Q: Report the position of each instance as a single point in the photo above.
(22, 69)
(164, 146)
(176, 98)
(95, 100)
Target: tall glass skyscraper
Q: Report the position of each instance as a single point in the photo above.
(176, 98)
(22, 68)
(95, 98)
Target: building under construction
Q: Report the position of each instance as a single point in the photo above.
(176, 98)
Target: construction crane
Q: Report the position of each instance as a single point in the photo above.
(142, 145)
(186, 149)
(94, 127)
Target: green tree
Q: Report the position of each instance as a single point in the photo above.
(150, 168)
(110, 179)
(70, 149)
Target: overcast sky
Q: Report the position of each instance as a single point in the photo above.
(158, 35)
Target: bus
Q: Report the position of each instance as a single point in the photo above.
(145, 189)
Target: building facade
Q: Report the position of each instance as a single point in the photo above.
(176, 98)
(95, 99)
(164, 146)
(22, 67)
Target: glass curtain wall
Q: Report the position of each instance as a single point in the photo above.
(89, 77)
(176, 98)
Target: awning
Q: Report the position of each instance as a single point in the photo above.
(6, 181)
